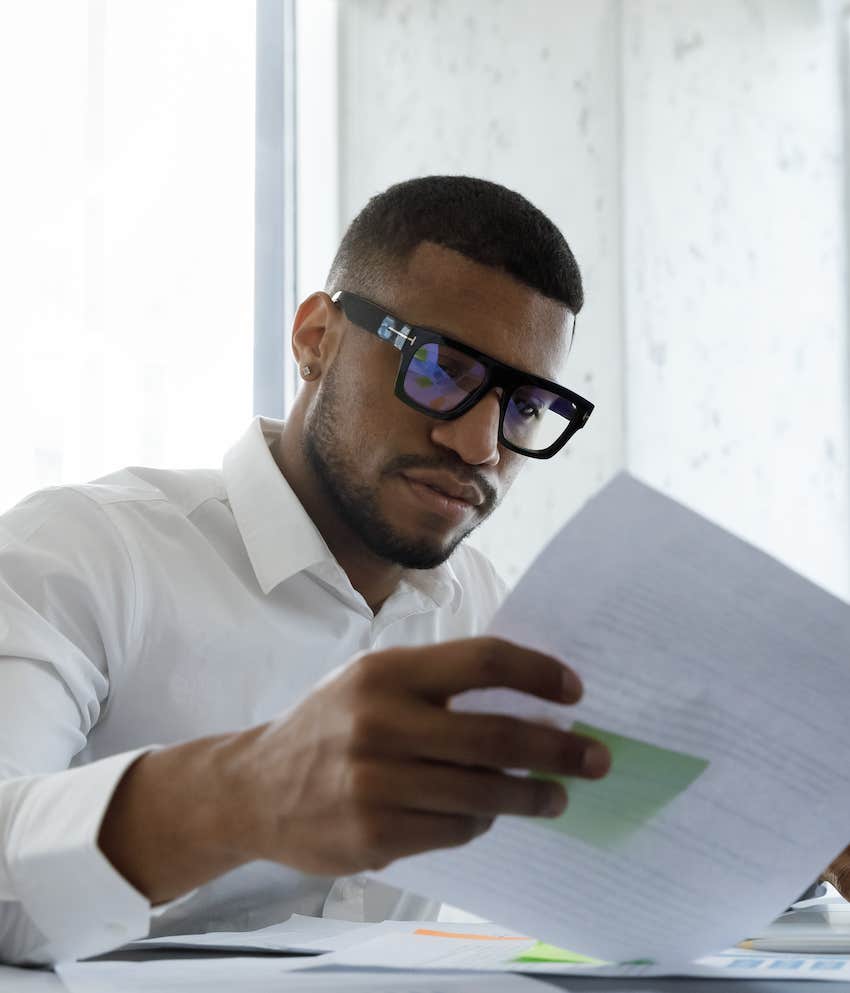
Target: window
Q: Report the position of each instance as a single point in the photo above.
(127, 247)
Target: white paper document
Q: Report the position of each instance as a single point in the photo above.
(720, 679)
(816, 927)
(736, 964)
(427, 948)
(298, 934)
(431, 945)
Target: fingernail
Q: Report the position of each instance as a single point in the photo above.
(571, 686)
(595, 761)
(554, 805)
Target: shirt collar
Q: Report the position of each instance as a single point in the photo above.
(281, 539)
(279, 536)
(440, 585)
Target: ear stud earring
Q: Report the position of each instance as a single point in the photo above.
(306, 371)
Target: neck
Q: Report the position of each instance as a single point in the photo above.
(373, 578)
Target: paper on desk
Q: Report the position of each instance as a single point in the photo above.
(262, 975)
(737, 964)
(824, 927)
(412, 951)
(298, 934)
(432, 946)
(735, 670)
(305, 935)
(495, 949)
(481, 945)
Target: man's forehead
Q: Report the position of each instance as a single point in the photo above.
(481, 306)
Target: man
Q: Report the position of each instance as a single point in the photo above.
(182, 746)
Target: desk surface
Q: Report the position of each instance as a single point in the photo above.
(41, 981)
(28, 981)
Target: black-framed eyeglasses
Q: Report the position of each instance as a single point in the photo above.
(444, 378)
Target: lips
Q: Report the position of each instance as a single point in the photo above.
(447, 486)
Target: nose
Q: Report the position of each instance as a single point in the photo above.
(475, 435)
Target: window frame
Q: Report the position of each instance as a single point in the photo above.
(275, 199)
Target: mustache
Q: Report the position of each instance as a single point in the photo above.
(460, 470)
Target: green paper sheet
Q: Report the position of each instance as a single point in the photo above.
(643, 779)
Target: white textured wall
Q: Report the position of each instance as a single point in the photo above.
(701, 143)
(525, 94)
(736, 274)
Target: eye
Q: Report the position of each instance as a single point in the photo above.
(527, 410)
(450, 368)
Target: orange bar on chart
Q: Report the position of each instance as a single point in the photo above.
(470, 937)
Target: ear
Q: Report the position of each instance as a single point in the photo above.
(316, 332)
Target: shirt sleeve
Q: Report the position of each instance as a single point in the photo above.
(67, 610)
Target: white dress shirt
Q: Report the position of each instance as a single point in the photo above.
(155, 606)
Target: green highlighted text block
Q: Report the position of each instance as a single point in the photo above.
(541, 952)
(643, 779)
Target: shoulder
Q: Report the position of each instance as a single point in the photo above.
(58, 509)
(81, 510)
(184, 489)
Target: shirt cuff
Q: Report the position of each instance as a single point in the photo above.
(70, 890)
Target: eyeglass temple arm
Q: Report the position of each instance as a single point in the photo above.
(386, 330)
(398, 337)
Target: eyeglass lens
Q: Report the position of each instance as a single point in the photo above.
(536, 418)
(440, 378)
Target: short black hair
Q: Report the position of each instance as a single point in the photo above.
(484, 221)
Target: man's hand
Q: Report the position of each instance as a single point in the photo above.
(369, 767)
(373, 766)
(838, 873)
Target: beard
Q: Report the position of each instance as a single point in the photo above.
(356, 503)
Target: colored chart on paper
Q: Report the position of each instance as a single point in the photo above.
(642, 780)
(465, 936)
(541, 952)
(779, 965)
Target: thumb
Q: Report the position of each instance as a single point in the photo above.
(838, 873)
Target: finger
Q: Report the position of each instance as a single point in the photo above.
(838, 874)
(471, 739)
(447, 789)
(499, 742)
(393, 833)
(438, 672)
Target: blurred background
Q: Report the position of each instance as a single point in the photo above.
(176, 175)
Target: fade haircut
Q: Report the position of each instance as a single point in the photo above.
(484, 221)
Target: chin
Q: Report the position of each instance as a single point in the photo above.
(420, 550)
